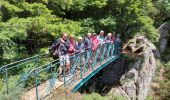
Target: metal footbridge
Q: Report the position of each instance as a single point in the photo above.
(38, 76)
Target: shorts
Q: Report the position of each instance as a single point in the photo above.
(64, 60)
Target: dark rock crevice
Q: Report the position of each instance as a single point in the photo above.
(107, 78)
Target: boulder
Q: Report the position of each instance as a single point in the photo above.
(164, 35)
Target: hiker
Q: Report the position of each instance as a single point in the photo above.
(88, 41)
(80, 47)
(101, 46)
(61, 48)
(108, 38)
(79, 55)
(118, 39)
(95, 49)
(88, 47)
(72, 51)
(108, 45)
(95, 42)
(118, 44)
(72, 48)
(100, 37)
(113, 36)
(113, 44)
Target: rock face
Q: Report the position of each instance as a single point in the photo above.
(135, 83)
(131, 75)
(164, 35)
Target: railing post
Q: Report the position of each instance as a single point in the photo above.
(36, 83)
(81, 73)
(113, 49)
(103, 52)
(81, 64)
(64, 74)
(92, 59)
(6, 80)
(108, 50)
(100, 51)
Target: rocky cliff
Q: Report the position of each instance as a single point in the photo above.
(135, 83)
(131, 75)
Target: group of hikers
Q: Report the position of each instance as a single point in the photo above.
(66, 46)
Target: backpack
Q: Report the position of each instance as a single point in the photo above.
(54, 49)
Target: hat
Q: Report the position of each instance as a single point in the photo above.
(71, 35)
(94, 34)
(101, 31)
(109, 34)
(80, 38)
(88, 33)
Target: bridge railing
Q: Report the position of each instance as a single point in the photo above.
(16, 74)
(81, 63)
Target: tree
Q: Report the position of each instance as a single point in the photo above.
(26, 24)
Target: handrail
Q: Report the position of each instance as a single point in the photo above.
(22, 61)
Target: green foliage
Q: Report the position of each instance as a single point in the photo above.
(148, 28)
(19, 29)
(162, 93)
(149, 98)
(40, 20)
(14, 94)
(92, 25)
(163, 10)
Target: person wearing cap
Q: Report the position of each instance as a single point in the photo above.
(100, 37)
(80, 45)
(79, 55)
(81, 48)
(108, 45)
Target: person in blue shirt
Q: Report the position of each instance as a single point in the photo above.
(81, 48)
(88, 41)
(88, 47)
(79, 55)
(100, 37)
(80, 45)
(108, 38)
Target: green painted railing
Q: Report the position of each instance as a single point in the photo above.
(40, 69)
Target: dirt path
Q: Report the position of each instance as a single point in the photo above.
(42, 89)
